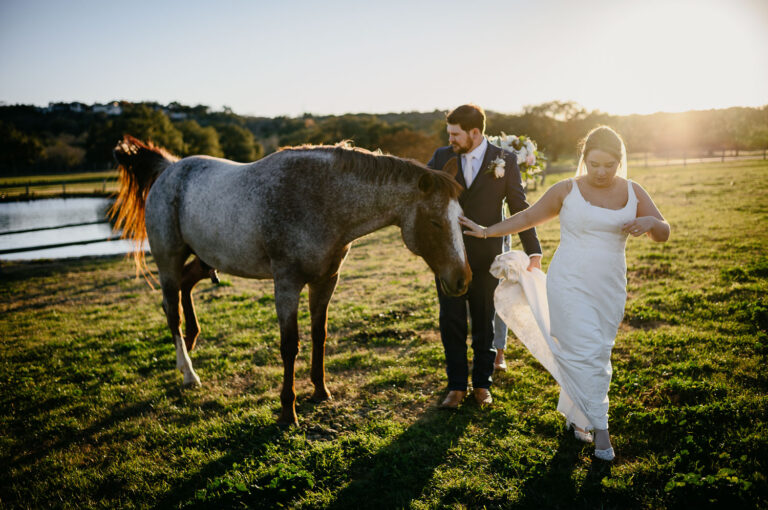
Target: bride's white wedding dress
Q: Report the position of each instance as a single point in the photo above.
(570, 327)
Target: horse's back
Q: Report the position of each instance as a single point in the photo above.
(240, 217)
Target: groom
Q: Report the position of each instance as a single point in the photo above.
(489, 175)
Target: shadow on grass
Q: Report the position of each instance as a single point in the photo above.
(246, 441)
(391, 478)
(42, 426)
(38, 445)
(555, 488)
(398, 473)
(13, 271)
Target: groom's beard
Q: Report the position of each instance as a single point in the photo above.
(461, 149)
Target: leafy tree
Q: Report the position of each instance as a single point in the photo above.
(199, 140)
(18, 151)
(758, 138)
(407, 143)
(557, 126)
(139, 120)
(62, 154)
(238, 143)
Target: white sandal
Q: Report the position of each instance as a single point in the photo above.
(581, 436)
(607, 454)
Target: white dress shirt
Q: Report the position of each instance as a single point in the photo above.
(475, 156)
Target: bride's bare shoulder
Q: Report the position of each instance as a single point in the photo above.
(563, 187)
(559, 191)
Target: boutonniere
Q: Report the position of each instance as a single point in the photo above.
(497, 167)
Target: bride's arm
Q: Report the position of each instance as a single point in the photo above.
(547, 207)
(649, 219)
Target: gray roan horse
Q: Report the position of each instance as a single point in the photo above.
(291, 217)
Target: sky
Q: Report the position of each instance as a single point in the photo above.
(334, 57)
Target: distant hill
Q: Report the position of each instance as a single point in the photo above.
(65, 137)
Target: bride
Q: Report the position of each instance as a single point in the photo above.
(586, 283)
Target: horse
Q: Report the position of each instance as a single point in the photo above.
(291, 217)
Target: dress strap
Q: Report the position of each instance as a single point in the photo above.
(631, 191)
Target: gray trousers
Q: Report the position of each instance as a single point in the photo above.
(499, 328)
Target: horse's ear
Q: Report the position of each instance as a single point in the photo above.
(426, 183)
(451, 167)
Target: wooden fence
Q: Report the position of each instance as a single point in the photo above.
(59, 186)
(7, 251)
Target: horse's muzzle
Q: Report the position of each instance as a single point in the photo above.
(456, 286)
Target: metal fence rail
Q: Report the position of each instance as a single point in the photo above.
(56, 182)
(26, 230)
(58, 245)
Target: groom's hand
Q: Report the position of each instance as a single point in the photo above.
(534, 261)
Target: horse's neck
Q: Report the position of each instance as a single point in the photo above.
(374, 207)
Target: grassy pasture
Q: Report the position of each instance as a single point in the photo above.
(47, 186)
(93, 413)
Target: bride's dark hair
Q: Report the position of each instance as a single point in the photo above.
(605, 139)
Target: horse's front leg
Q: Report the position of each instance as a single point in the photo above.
(319, 296)
(287, 292)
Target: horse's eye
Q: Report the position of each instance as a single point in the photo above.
(436, 223)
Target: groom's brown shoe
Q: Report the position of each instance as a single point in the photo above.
(483, 397)
(453, 399)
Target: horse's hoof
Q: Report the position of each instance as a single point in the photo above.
(320, 397)
(192, 382)
(287, 424)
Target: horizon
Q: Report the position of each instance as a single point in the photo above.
(618, 58)
(314, 114)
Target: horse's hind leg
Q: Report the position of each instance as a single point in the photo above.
(170, 281)
(193, 272)
(287, 290)
(319, 297)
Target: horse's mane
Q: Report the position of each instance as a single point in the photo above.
(379, 167)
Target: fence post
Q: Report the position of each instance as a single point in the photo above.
(26, 187)
(64, 189)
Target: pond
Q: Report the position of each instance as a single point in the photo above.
(57, 212)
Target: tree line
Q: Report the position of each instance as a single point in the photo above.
(65, 138)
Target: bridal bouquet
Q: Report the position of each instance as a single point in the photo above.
(529, 159)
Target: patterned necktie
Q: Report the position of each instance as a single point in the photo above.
(469, 170)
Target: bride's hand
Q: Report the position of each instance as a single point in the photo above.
(475, 230)
(639, 226)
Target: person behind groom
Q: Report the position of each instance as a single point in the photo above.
(489, 175)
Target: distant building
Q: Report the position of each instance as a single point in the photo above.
(112, 108)
(65, 107)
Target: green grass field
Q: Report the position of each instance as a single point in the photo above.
(94, 415)
(45, 186)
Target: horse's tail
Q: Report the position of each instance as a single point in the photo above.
(139, 164)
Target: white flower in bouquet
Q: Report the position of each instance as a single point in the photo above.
(530, 146)
(528, 157)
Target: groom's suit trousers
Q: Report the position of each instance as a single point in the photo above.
(454, 330)
(481, 202)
